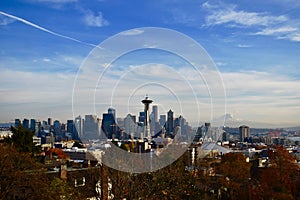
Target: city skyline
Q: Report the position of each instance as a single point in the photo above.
(255, 46)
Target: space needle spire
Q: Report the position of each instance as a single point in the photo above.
(146, 103)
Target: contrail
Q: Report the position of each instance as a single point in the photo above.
(44, 29)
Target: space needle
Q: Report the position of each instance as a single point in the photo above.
(147, 102)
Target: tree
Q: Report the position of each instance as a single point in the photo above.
(171, 182)
(19, 172)
(235, 176)
(59, 189)
(22, 140)
(281, 178)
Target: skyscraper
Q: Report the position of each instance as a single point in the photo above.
(130, 125)
(141, 117)
(208, 131)
(162, 120)
(155, 113)
(57, 129)
(91, 128)
(32, 124)
(17, 122)
(170, 123)
(26, 123)
(78, 126)
(71, 129)
(50, 121)
(154, 126)
(37, 127)
(108, 125)
(113, 112)
(244, 132)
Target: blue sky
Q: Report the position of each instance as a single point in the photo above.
(254, 44)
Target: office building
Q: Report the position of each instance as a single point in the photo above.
(91, 127)
(162, 120)
(26, 123)
(79, 126)
(50, 121)
(32, 124)
(17, 122)
(244, 132)
(130, 125)
(170, 123)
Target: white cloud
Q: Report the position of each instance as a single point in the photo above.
(260, 95)
(132, 32)
(95, 20)
(284, 32)
(230, 15)
(5, 20)
(295, 37)
(279, 26)
(35, 94)
(47, 60)
(279, 30)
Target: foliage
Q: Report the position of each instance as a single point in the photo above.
(22, 177)
(20, 172)
(171, 182)
(59, 189)
(22, 140)
(281, 178)
(235, 176)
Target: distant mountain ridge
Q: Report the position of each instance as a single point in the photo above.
(229, 120)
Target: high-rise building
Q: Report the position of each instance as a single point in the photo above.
(170, 123)
(141, 117)
(207, 130)
(244, 132)
(26, 123)
(79, 126)
(91, 128)
(120, 123)
(155, 113)
(57, 129)
(113, 112)
(130, 125)
(32, 124)
(71, 129)
(17, 122)
(37, 127)
(109, 125)
(162, 120)
(154, 126)
(50, 121)
(199, 133)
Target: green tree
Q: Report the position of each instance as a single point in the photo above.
(59, 189)
(22, 140)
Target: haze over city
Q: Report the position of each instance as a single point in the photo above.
(255, 46)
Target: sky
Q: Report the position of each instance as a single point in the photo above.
(49, 63)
